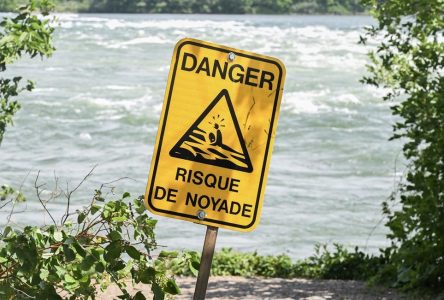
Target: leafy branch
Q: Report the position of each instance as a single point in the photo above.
(26, 33)
(107, 241)
(408, 62)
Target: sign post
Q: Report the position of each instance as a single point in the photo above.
(215, 138)
(205, 263)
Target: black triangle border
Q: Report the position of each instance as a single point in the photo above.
(222, 93)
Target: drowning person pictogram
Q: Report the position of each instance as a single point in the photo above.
(215, 138)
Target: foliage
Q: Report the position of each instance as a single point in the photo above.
(105, 242)
(8, 5)
(25, 33)
(227, 6)
(324, 264)
(227, 262)
(9, 195)
(408, 62)
(206, 6)
(339, 264)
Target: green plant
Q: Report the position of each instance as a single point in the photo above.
(26, 33)
(339, 264)
(9, 195)
(324, 264)
(105, 242)
(408, 62)
(229, 262)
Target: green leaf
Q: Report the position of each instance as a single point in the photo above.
(140, 207)
(171, 287)
(139, 296)
(70, 255)
(194, 267)
(69, 240)
(105, 214)
(113, 251)
(157, 291)
(80, 250)
(87, 262)
(81, 217)
(168, 254)
(20, 197)
(23, 36)
(117, 265)
(60, 271)
(114, 235)
(147, 275)
(95, 208)
(119, 219)
(97, 252)
(126, 195)
(7, 230)
(100, 267)
(133, 252)
(44, 274)
(70, 279)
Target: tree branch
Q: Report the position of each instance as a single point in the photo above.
(68, 195)
(38, 192)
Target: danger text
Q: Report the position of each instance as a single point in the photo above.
(224, 70)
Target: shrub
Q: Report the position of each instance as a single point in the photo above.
(408, 62)
(108, 241)
(339, 264)
(324, 264)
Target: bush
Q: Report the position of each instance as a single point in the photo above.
(324, 264)
(105, 242)
(408, 62)
(339, 264)
(229, 262)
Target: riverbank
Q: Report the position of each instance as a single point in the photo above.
(252, 288)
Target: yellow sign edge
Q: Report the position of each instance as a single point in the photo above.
(270, 143)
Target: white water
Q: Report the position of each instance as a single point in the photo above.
(98, 101)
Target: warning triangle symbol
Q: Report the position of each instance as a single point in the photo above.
(215, 138)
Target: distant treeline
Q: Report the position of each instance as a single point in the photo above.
(203, 6)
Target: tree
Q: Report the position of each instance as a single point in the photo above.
(83, 251)
(7, 5)
(29, 34)
(272, 6)
(408, 62)
(26, 33)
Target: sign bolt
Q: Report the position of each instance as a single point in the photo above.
(231, 56)
(201, 215)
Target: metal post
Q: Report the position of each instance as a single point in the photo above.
(205, 263)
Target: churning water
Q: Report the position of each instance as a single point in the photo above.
(98, 101)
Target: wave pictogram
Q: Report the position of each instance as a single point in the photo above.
(215, 138)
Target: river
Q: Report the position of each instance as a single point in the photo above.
(99, 98)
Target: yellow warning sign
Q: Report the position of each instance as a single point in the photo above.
(216, 134)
